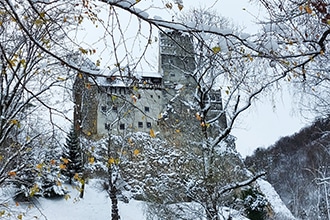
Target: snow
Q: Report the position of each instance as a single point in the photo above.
(279, 208)
(94, 205)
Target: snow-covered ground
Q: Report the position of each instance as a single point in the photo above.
(94, 205)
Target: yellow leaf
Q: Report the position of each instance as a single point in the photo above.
(250, 57)
(20, 217)
(83, 51)
(301, 8)
(60, 78)
(17, 203)
(12, 173)
(12, 62)
(180, 7)
(39, 166)
(177, 131)
(152, 133)
(65, 160)
(23, 62)
(136, 152)
(80, 75)
(42, 14)
(2, 212)
(130, 142)
(91, 160)
(216, 49)
(111, 161)
(38, 21)
(62, 166)
(169, 5)
(199, 118)
(34, 189)
(113, 98)
(67, 196)
(15, 122)
(76, 176)
(52, 162)
(88, 85)
(308, 9)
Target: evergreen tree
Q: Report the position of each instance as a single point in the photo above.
(72, 156)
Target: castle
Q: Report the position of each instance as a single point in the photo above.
(122, 100)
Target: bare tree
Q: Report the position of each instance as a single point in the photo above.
(296, 32)
(227, 69)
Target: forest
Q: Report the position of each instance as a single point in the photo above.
(57, 55)
(297, 168)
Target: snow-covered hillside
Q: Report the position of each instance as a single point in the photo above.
(279, 208)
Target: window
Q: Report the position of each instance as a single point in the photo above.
(146, 109)
(104, 108)
(140, 124)
(122, 126)
(148, 124)
(107, 126)
(151, 96)
(114, 108)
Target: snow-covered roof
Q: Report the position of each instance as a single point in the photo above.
(120, 78)
(148, 74)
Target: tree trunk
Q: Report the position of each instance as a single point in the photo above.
(82, 190)
(114, 201)
(212, 211)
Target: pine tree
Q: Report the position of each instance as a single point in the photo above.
(72, 156)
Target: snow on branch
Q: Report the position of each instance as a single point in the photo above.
(240, 184)
(160, 23)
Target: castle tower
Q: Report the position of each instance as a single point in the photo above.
(176, 60)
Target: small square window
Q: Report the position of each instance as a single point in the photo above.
(151, 96)
(107, 126)
(140, 124)
(114, 108)
(146, 109)
(148, 124)
(122, 126)
(104, 108)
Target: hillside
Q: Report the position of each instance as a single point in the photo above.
(297, 167)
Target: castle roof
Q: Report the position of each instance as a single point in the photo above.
(121, 77)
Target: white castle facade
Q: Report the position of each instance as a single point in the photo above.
(121, 100)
